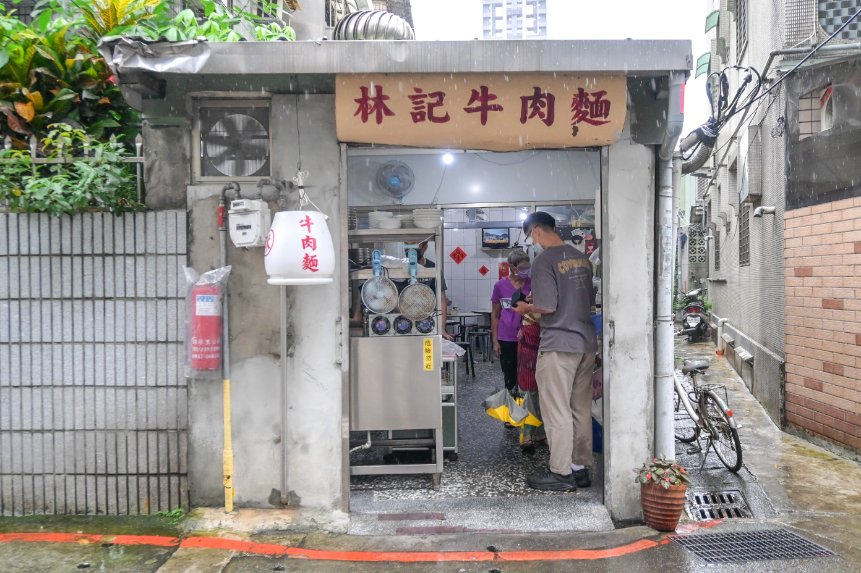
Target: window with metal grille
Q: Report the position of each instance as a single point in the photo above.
(744, 236)
(716, 241)
(740, 28)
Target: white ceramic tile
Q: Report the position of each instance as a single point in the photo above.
(471, 302)
(458, 272)
(456, 290)
(468, 238)
(455, 215)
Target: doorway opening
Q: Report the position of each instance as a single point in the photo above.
(483, 198)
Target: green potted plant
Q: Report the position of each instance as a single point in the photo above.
(663, 485)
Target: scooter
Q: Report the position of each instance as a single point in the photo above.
(695, 324)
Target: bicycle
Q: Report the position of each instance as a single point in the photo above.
(710, 415)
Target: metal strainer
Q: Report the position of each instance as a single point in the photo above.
(417, 301)
(379, 294)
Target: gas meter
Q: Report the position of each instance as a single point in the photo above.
(249, 221)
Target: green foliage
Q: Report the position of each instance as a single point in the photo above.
(174, 516)
(275, 31)
(707, 304)
(215, 24)
(84, 174)
(54, 74)
(51, 73)
(106, 17)
(662, 472)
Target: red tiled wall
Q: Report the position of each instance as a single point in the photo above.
(823, 320)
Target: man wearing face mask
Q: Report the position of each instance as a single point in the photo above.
(563, 296)
(504, 322)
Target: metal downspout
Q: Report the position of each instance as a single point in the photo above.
(667, 225)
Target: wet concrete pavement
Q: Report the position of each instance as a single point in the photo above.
(789, 484)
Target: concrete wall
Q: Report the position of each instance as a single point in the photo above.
(313, 404)
(167, 159)
(628, 267)
(823, 325)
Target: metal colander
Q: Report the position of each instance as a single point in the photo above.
(417, 301)
(379, 294)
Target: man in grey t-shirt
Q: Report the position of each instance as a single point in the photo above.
(563, 296)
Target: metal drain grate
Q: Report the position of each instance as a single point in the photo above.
(751, 546)
(726, 504)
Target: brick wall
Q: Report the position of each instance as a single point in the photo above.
(823, 321)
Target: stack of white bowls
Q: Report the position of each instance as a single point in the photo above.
(427, 218)
(406, 220)
(382, 220)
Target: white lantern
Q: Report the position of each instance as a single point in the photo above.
(299, 249)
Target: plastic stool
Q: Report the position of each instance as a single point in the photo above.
(481, 338)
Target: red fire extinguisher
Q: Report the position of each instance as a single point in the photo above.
(205, 327)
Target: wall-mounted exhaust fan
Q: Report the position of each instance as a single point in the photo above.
(396, 178)
(234, 141)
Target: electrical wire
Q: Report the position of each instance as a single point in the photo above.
(517, 162)
(811, 53)
(724, 109)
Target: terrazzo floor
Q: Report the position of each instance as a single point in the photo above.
(484, 489)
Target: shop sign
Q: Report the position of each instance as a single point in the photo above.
(498, 112)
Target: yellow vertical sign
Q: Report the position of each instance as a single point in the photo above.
(428, 354)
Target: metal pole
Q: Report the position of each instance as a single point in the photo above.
(282, 291)
(227, 453)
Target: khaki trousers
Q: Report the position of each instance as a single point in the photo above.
(565, 386)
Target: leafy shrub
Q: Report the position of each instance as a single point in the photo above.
(80, 173)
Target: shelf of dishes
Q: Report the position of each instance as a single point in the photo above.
(394, 274)
(414, 234)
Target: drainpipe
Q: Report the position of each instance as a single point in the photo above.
(668, 170)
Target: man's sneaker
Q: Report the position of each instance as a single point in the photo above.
(550, 481)
(581, 478)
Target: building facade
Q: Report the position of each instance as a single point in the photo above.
(781, 248)
(514, 19)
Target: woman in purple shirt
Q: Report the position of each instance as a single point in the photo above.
(504, 322)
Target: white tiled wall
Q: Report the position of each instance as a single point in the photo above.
(467, 288)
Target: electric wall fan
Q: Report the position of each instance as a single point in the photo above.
(395, 178)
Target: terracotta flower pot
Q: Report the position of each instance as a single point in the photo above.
(662, 508)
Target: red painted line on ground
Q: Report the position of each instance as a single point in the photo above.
(157, 540)
(274, 549)
(235, 545)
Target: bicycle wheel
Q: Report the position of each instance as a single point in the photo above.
(685, 429)
(724, 437)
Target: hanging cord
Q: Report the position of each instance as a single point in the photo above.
(299, 178)
(299, 183)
